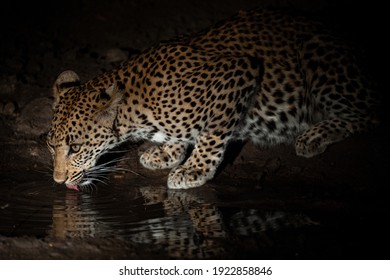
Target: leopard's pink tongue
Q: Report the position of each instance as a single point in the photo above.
(73, 187)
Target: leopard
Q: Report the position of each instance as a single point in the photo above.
(264, 76)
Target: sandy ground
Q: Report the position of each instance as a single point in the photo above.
(40, 41)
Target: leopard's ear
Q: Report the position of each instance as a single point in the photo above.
(65, 80)
(110, 99)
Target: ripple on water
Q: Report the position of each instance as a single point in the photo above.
(181, 223)
(37, 209)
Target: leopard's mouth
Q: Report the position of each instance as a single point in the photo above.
(88, 178)
(76, 182)
(72, 187)
(78, 186)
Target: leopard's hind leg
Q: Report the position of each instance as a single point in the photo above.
(317, 138)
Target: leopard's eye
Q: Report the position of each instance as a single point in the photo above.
(74, 148)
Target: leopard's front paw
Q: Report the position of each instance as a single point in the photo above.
(162, 157)
(185, 178)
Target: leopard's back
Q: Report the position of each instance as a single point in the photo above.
(309, 75)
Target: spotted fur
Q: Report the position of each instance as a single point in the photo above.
(262, 76)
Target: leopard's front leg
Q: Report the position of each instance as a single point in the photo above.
(201, 165)
(164, 156)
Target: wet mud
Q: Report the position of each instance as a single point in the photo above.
(264, 203)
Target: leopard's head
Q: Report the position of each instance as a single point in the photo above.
(83, 128)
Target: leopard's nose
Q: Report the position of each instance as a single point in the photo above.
(59, 177)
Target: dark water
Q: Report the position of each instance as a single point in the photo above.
(191, 224)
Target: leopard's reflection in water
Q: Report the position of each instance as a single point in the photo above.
(178, 224)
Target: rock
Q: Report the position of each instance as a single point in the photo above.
(35, 118)
(8, 109)
(116, 55)
(8, 85)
